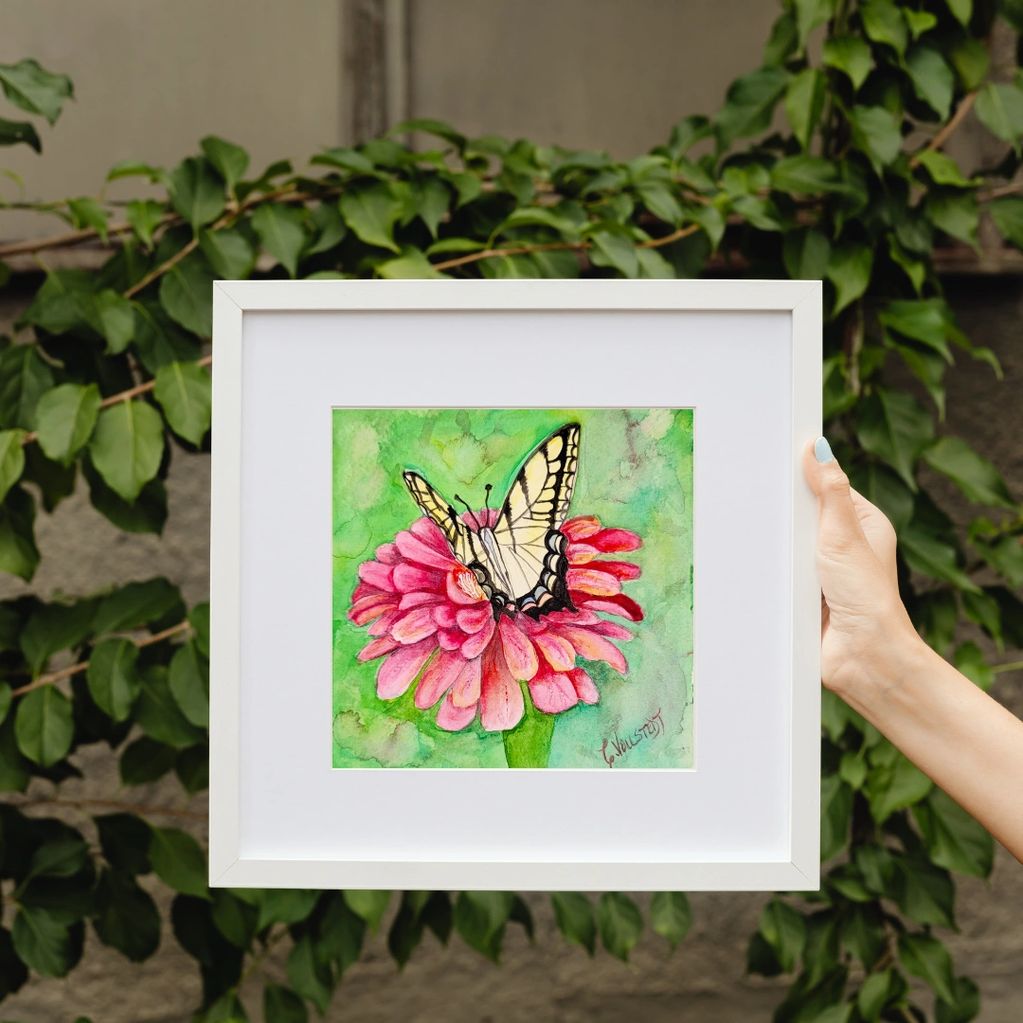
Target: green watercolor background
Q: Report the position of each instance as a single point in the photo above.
(635, 472)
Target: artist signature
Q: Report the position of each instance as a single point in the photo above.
(616, 747)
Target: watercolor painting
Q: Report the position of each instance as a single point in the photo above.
(513, 588)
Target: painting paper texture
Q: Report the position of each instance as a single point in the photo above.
(513, 588)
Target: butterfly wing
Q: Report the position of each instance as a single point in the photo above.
(443, 514)
(528, 533)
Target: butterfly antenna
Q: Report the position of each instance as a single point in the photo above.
(486, 495)
(470, 511)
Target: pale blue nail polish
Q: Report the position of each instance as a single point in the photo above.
(822, 450)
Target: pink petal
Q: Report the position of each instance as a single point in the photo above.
(580, 553)
(608, 540)
(560, 654)
(444, 616)
(408, 577)
(414, 626)
(452, 718)
(552, 692)
(501, 702)
(612, 630)
(478, 641)
(387, 553)
(466, 690)
(382, 625)
(378, 575)
(450, 639)
(591, 580)
(373, 605)
(377, 648)
(401, 667)
(431, 534)
(462, 587)
(619, 604)
(472, 619)
(624, 570)
(592, 647)
(519, 653)
(581, 527)
(584, 686)
(418, 599)
(440, 673)
(415, 549)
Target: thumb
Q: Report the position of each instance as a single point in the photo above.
(830, 484)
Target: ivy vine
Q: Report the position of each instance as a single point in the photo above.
(827, 162)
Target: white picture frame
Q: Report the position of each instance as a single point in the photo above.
(745, 354)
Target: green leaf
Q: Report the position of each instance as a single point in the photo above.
(804, 103)
(282, 1005)
(670, 916)
(126, 917)
(807, 175)
(5, 700)
(931, 556)
(178, 861)
(615, 249)
(371, 211)
(973, 474)
(619, 922)
(113, 680)
(13, 132)
(962, 10)
(65, 418)
(18, 552)
(127, 446)
(1000, 109)
(895, 786)
(877, 991)
(35, 90)
(927, 321)
(144, 761)
(927, 958)
(86, 212)
(367, 904)
(43, 943)
(895, 428)
(134, 169)
(573, 913)
(966, 1006)
(882, 487)
(971, 60)
(310, 977)
(749, 104)
(932, 78)
(878, 133)
(883, 22)
(1007, 213)
(43, 725)
(158, 714)
(955, 213)
(285, 906)
(944, 170)
(137, 604)
(784, 929)
(124, 840)
(849, 267)
(953, 838)
(850, 55)
(282, 233)
(188, 678)
(805, 253)
(144, 216)
(480, 919)
(230, 161)
(186, 293)
(53, 627)
(810, 14)
(229, 252)
(24, 377)
(923, 892)
(431, 199)
(196, 191)
(184, 391)
(199, 619)
(412, 264)
(12, 459)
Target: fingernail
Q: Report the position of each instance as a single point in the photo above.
(822, 450)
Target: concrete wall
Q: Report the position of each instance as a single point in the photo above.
(283, 79)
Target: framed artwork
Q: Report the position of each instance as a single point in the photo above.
(513, 585)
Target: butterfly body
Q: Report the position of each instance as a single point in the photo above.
(519, 557)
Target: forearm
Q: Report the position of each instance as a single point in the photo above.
(960, 737)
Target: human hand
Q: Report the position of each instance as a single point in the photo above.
(864, 621)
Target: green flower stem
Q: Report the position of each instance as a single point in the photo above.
(528, 744)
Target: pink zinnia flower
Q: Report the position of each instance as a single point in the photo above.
(431, 621)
